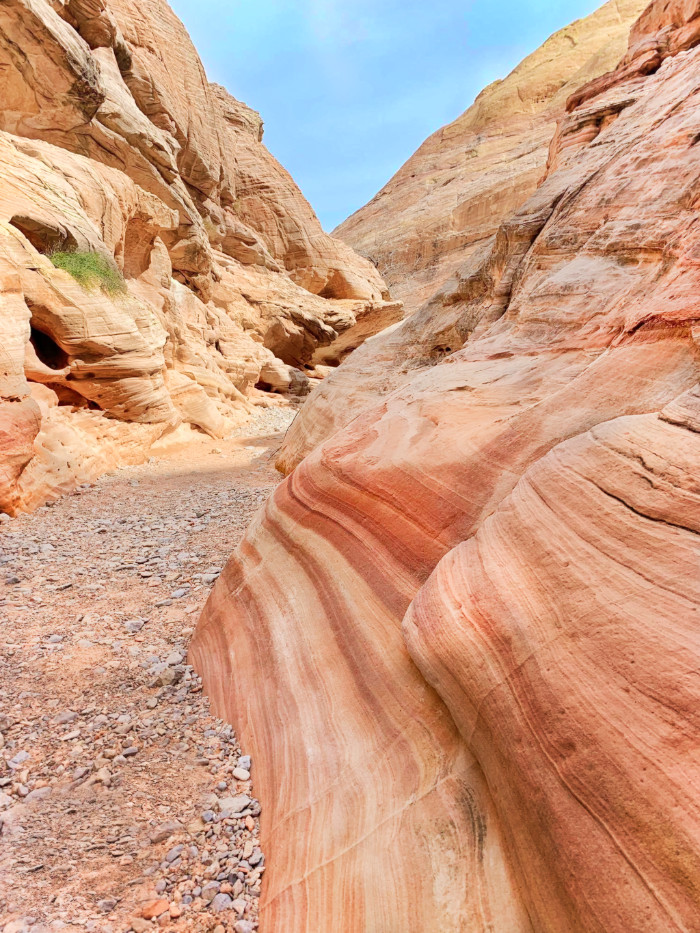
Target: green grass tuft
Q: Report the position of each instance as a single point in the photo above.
(91, 270)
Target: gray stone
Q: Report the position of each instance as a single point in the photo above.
(18, 760)
(234, 804)
(243, 926)
(256, 857)
(210, 891)
(41, 793)
(221, 902)
(106, 905)
(165, 831)
(174, 853)
(66, 716)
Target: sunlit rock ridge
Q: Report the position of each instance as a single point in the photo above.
(450, 196)
(113, 143)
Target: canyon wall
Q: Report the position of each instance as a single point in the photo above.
(461, 639)
(451, 195)
(114, 145)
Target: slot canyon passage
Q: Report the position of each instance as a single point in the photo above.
(350, 582)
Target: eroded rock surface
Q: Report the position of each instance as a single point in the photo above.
(451, 195)
(464, 629)
(112, 141)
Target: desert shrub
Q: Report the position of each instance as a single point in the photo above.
(91, 270)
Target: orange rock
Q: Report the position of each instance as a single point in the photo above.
(465, 627)
(154, 909)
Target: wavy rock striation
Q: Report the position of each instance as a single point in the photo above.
(451, 195)
(461, 638)
(113, 142)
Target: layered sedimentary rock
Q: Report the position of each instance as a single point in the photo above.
(461, 638)
(451, 195)
(113, 142)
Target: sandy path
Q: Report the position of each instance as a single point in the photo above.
(115, 782)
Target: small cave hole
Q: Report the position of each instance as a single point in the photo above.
(47, 350)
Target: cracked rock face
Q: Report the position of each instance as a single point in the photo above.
(465, 628)
(113, 142)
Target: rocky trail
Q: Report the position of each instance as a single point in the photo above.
(124, 803)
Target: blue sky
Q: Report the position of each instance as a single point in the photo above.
(349, 89)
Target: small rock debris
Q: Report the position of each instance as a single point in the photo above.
(124, 804)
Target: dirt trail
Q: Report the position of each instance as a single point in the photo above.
(124, 805)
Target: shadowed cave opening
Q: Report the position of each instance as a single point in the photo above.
(47, 350)
(54, 357)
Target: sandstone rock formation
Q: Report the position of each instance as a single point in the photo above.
(451, 195)
(461, 638)
(113, 142)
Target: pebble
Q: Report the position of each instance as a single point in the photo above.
(234, 804)
(221, 902)
(41, 793)
(66, 716)
(18, 760)
(174, 853)
(139, 925)
(154, 909)
(166, 830)
(243, 926)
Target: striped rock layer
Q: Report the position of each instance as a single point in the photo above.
(462, 638)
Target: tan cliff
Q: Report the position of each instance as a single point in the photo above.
(113, 142)
(450, 196)
(461, 638)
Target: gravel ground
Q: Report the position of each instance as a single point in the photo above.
(124, 804)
